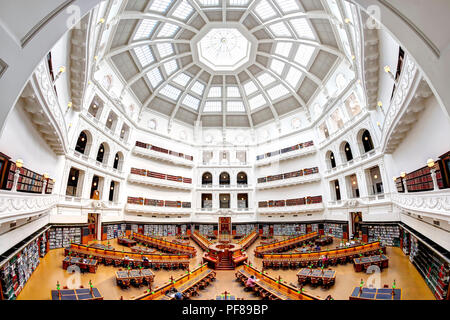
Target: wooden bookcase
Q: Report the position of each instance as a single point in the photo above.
(419, 180)
(29, 181)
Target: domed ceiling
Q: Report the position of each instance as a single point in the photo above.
(235, 63)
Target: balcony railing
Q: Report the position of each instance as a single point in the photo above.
(436, 202)
(224, 186)
(148, 153)
(159, 182)
(286, 156)
(16, 205)
(158, 210)
(354, 162)
(290, 181)
(94, 163)
(292, 209)
(372, 199)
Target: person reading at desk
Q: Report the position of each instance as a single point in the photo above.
(251, 282)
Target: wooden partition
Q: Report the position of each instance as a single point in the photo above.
(246, 241)
(165, 245)
(114, 254)
(329, 254)
(201, 240)
(159, 293)
(284, 245)
(279, 289)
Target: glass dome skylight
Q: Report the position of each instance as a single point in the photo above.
(224, 49)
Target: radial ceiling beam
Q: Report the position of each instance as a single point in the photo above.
(127, 15)
(203, 101)
(248, 10)
(311, 43)
(183, 95)
(245, 101)
(286, 17)
(199, 10)
(140, 43)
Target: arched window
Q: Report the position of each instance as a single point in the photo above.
(101, 153)
(82, 143)
(330, 159)
(346, 152)
(367, 141)
(242, 178)
(206, 178)
(118, 159)
(224, 178)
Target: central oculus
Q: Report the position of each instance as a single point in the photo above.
(224, 49)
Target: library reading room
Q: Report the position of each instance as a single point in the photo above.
(224, 150)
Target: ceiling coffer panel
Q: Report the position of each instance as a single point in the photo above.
(265, 47)
(325, 32)
(205, 76)
(141, 90)
(286, 105)
(197, 22)
(250, 22)
(185, 61)
(123, 32)
(211, 121)
(311, 5)
(215, 15)
(186, 116)
(183, 47)
(243, 76)
(162, 105)
(262, 116)
(262, 60)
(323, 64)
(261, 34)
(307, 89)
(125, 64)
(234, 15)
(136, 5)
(237, 121)
(194, 70)
(186, 35)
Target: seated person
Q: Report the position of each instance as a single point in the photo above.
(179, 296)
(250, 283)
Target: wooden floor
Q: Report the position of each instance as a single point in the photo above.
(50, 271)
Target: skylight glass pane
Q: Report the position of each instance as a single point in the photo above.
(278, 91)
(264, 10)
(277, 66)
(235, 106)
(283, 48)
(170, 92)
(182, 79)
(302, 28)
(160, 5)
(304, 54)
(233, 92)
(209, 3)
(155, 77)
(198, 88)
(239, 3)
(256, 102)
(168, 30)
(250, 87)
(293, 76)
(265, 79)
(164, 49)
(170, 67)
(280, 30)
(191, 102)
(287, 5)
(213, 106)
(145, 29)
(215, 92)
(144, 55)
(183, 10)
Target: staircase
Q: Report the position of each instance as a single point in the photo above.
(225, 263)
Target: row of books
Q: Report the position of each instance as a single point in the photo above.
(157, 175)
(16, 272)
(288, 175)
(158, 203)
(290, 202)
(389, 235)
(206, 229)
(245, 228)
(334, 229)
(284, 150)
(62, 237)
(162, 150)
(114, 231)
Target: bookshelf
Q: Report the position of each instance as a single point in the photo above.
(17, 270)
(388, 234)
(419, 180)
(62, 237)
(157, 175)
(285, 150)
(162, 150)
(290, 202)
(50, 186)
(158, 203)
(288, 175)
(433, 268)
(399, 185)
(7, 169)
(244, 228)
(334, 229)
(29, 181)
(206, 229)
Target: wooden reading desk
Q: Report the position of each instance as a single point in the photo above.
(333, 256)
(164, 245)
(284, 245)
(76, 294)
(126, 242)
(316, 276)
(323, 240)
(84, 264)
(361, 264)
(376, 294)
(268, 287)
(188, 284)
(136, 276)
(248, 240)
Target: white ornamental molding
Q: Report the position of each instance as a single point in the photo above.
(436, 203)
(16, 205)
